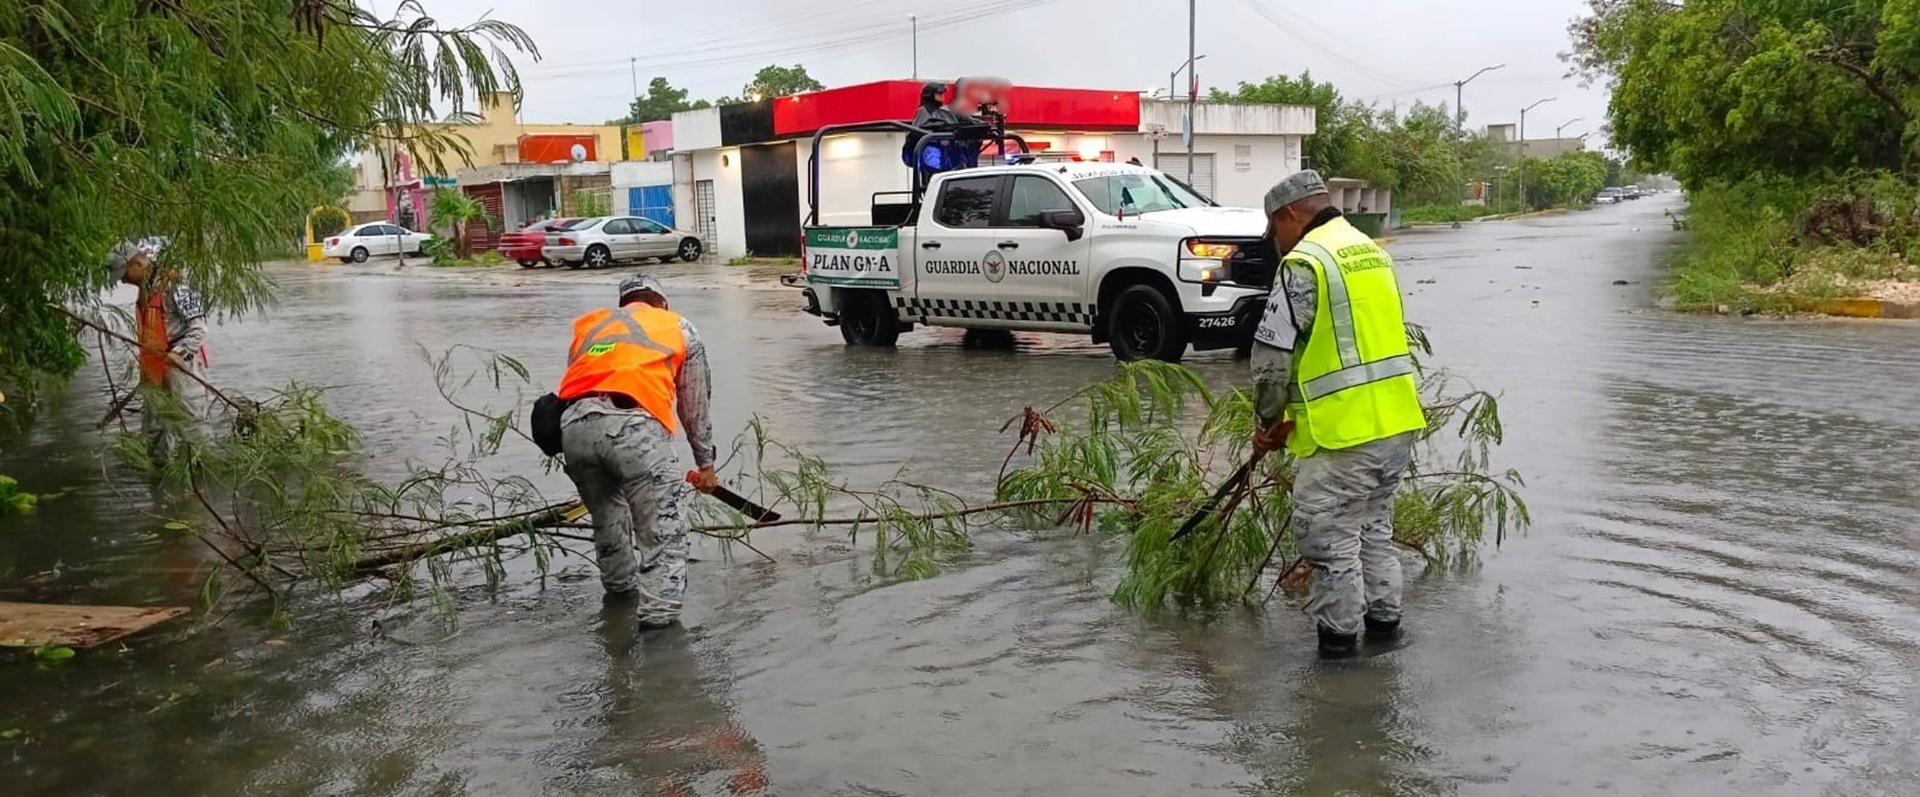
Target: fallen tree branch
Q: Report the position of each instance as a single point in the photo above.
(176, 361)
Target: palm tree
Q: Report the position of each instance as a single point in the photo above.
(459, 210)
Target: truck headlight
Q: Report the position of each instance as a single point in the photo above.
(1211, 250)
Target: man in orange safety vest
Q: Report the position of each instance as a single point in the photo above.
(633, 371)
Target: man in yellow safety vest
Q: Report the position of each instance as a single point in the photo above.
(1334, 382)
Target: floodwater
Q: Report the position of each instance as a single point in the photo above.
(1718, 597)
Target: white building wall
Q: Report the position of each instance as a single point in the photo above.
(1241, 178)
(696, 130)
(684, 218)
(722, 166)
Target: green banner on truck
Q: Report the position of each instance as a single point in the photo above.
(854, 257)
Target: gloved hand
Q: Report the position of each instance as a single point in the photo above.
(704, 479)
(1269, 439)
(186, 355)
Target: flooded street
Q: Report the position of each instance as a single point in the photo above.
(1720, 594)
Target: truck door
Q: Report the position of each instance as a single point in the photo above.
(952, 286)
(1045, 269)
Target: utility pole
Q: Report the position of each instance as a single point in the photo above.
(914, 20)
(1193, 81)
(633, 72)
(1459, 111)
(1522, 175)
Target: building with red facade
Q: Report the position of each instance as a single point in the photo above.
(740, 171)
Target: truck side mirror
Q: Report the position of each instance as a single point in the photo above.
(1070, 221)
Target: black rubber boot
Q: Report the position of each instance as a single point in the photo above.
(1382, 630)
(1336, 645)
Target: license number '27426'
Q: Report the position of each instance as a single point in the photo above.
(1217, 322)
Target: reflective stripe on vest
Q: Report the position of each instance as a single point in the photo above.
(1355, 374)
(631, 351)
(636, 334)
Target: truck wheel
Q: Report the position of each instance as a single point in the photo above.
(529, 263)
(866, 320)
(1142, 325)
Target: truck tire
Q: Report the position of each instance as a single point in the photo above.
(866, 320)
(1142, 325)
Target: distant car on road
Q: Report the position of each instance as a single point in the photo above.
(601, 242)
(524, 247)
(357, 243)
(1607, 196)
(1631, 192)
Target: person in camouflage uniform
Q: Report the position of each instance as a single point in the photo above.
(619, 448)
(171, 323)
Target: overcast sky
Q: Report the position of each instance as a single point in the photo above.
(1388, 51)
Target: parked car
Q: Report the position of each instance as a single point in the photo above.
(524, 247)
(357, 243)
(601, 242)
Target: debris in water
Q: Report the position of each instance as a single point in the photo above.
(36, 624)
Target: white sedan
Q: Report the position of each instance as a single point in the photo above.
(598, 243)
(357, 243)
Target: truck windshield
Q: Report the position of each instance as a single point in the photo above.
(1137, 193)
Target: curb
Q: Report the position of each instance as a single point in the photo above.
(1856, 308)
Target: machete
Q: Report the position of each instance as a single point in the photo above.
(1233, 483)
(1206, 510)
(753, 511)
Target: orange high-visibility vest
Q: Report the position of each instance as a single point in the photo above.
(635, 351)
(154, 341)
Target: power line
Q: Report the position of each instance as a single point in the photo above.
(849, 40)
(1322, 41)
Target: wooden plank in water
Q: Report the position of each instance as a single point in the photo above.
(30, 625)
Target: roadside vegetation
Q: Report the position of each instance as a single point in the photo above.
(1427, 156)
(1791, 126)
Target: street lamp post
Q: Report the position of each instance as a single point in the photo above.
(1172, 91)
(1459, 113)
(1521, 175)
(1565, 125)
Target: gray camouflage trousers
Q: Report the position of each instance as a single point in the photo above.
(1343, 512)
(631, 481)
(174, 413)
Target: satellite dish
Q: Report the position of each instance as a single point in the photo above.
(579, 153)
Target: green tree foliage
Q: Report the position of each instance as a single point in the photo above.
(588, 203)
(660, 103)
(1734, 88)
(1341, 126)
(1570, 178)
(1422, 154)
(217, 124)
(1428, 157)
(778, 81)
(328, 220)
(458, 211)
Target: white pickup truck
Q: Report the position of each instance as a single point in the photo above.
(1124, 253)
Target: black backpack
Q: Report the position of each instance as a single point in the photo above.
(545, 423)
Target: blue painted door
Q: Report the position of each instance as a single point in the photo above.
(653, 201)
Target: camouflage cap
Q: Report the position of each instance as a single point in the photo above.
(635, 283)
(125, 252)
(1299, 186)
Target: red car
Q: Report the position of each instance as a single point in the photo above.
(523, 247)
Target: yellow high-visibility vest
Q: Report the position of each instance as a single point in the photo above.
(1354, 378)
